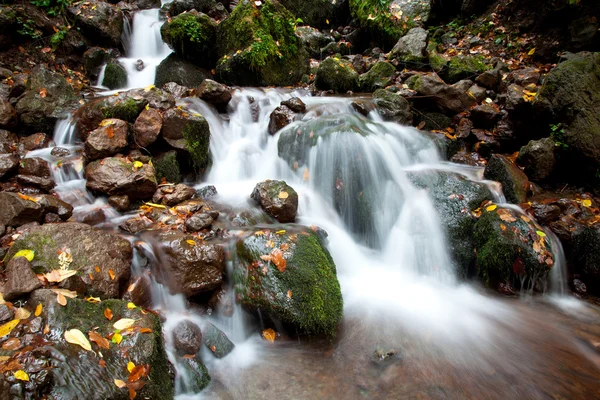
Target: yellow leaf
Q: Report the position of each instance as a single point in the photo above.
(38, 310)
(491, 208)
(540, 233)
(117, 338)
(107, 122)
(65, 292)
(269, 334)
(124, 323)
(22, 313)
(21, 375)
(93, 299)
(137, 164)
(531, 52)
(61, 299)
(283, 195)
(155, 205)
(327, 21)
(75, 336)
(131, 305)
(148, 88)
(147, 106)
(259, 233)
(586, 203)
(28, 254)
(130, 366)
(119, 383)
(190, 242)
(281, 232)
(8, 327)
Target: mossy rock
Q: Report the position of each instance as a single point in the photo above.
(378, 77)
(184, 73)
(466, 67)
(336, 74)
(193, 37)
(511, 248)
(166, 166)
(304, 293)
(195, 376)
(320, 13)
(115, 76)
(393, 107)
(258, 46)
(83, 376)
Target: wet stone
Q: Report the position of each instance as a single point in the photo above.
(45, 184)
(20, 279)
(216, 341)
(60, 152)
(35, 325)
(8, 164)
(198, 222)
(206, 192)
(171, 195)
(187, 338)
(295, 104)
(119, 203)
(6, 313)
(34, 166)
(51, 218)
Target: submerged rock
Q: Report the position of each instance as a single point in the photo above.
(296, 285)
(118, 176)
(278, 199)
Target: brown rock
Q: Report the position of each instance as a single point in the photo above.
(34, 166)
(119, 203)
(20, 279)
(277, 199)
(110, 138)
(115, 176)
(8, 115)
(214, 93)
(8, 164)
(171, 195)
(280, 117)
(147, 127)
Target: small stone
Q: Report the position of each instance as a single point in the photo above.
(171, 195)
(6, 313)
(198, 222)
(60, 152)
(45, 184)
(20, 279)
(8, 164)
(119, 203)
(35, 166)
(206, 192)
(187, 338)
(295, 104)
(277, 199)
(216, 341)
(280, 117)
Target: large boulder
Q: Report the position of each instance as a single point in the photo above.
(448, 98)
(511, 248)
(320, 13)
(18, 209)
(337, 75)
(314, 40)
(147, 127)
(378, 77)
(192, 36)
(109, 139)
(278, 199)
(188, 266)
(258, 46)
(393, 107)
(466, 67)
(290, 277)
(280, 117)
(103, 259)
(571, 92)
(538, 158)
(100, 21)
(175, 69)
(215, 93)
(119, 176)
(189, 133)
(411, 48)
(47, 98)
(514, 182)
(115, 76)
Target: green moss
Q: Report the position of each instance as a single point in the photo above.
(378, 77)
(336, 74)
(39, 244)
(466, 67)
(192, 36)
(375, 17)
(196, 134)
(126, 110)
(167, 166)
(115, 76)
(306, 294)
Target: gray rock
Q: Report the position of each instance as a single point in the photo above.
(277, 199)
(120, 203)
(45, 184)
(174, 69)
(198, 222)
(214, 93)
(187, 338)
(448, 98)
(8, 115)
(295, 104)
(393, 107)
(538, 158)
(34, 166)
(216, 341)
(411, 48)
(15, 211)
(103, 23)
(514, 181)
(8, 164)
(6, 313)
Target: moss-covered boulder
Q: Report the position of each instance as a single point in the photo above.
(512, 248)
(175, 69)
(466, 67)
(378, 77)
(92, 374)
(115, 76)
(258, 46)
(101, 22)
(192, 36)
(296, 285)
(320, 13)
(189, 133)
(314, 40)
(336, 74)
(393, 107)
(166, 166)
(278, 199)
(455, 198)
(515, 183)
(94, 253)
(89, 116)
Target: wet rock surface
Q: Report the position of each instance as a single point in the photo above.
(278, 199)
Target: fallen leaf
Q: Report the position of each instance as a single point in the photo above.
(28, 254)
(98, 339)
(108, 314)
(491, 208)
(540, 233)
(25, 197)
(43, 92)
(524, 218)
(269, 334)
(110, 131)
(585, 203)
(124, 323)
(38, 310)
(65, 292)
(117, 338)
(145, 330)
(111, 273)
(137, 372)
(190, 242)
(132, 394)
(284, 246)
(155, 205)
(131, 305)
(93, 299)
(11, 344)
(281, 232)
(289, 294)
(61, 299)
(265, 257)
(22, 313)
(283, 195)
(270, 244)
(130, 366)
(119, 383)
(278, 260)
(59, 275)
(137, 164)
(531, 52)
(21, 375)
(46, 50)
(75, 336)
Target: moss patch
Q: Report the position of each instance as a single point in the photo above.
(167, 166)
(192, 36)
(336, 74)
(466, 67)
(196, 134)
(115, 76)
(126, 110)
(378, 77)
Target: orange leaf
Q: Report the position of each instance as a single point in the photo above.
(278, 260)
(43, 92)
(137, 372)
(61, 299)
(269, 334)
(110, 131)
(111, 273)
(99, 340)
(132, 394)
(108, 314)
(145, 330)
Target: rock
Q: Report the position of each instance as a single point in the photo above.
(585, 256)
(34, 166)
(15, 211)
(66, 381)
(119, 203)
(8, 115)
(136, 225)
(54, 205)
(44, 184)
(514, 181)
(465, 67)
(319, 14)
(298, 286)
(147, 127)
(337, 75)
(47, 97)
(6, 313)
(177, 7)
(206, 192)
(96, 57)
(20, 279)
(173, 195)
(454, 198)
(448, 98)
(279, 59)
(175, 69)
(115, 176)
(214, 93)
(90, 249)
(470, 8)
(313, 40)
(411, 48)
(378, 77)
(545, 213)
(198, 222)
(192, 36)
(167, 167)
(473, 159)
(8, 164)
(176, 90)
(538, 158)
(362, 107)
(216, 341)
(525, 76)
(139, 291)
(92, 217)
(109, 139)
(34, 142)
(295, 104)
(196, 373)
(280, 117)
(115, 76)
(188, 132)
(60, 152)
(514, 254)
(435, 121)
(393, 107)
(103, 22)
(479, 93)
(277, 199)
(489, 79)
(190, 269)
(187, 338)
(570, 92)
(484, 116)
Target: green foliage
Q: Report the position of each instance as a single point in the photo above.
(375, 16)
(58, 36)
(28, 29)
(557, 133)
(52, 7)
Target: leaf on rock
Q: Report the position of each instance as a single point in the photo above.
(540, 233)
(22, 313)
(119, 383)
(21, 375)
(108, 314)
(130, 366)
(11, 344)
(43, 93)
(117, 338)
(59, 275)
(75, 336)
(278, 260)
(269, 334)
(110, 131)
(124, 323)
(137, 372)
(586, 203)
(491, 208)
(65, 292)
(61, 299)
(131, 305)
(28, 254)
(93, 299)
(283, 195)
(145, 330)
(38, 310)
(191, 242)
(137, 165)
(111, 274)
(98, 339)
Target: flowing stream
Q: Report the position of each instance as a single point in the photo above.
(411, 328)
